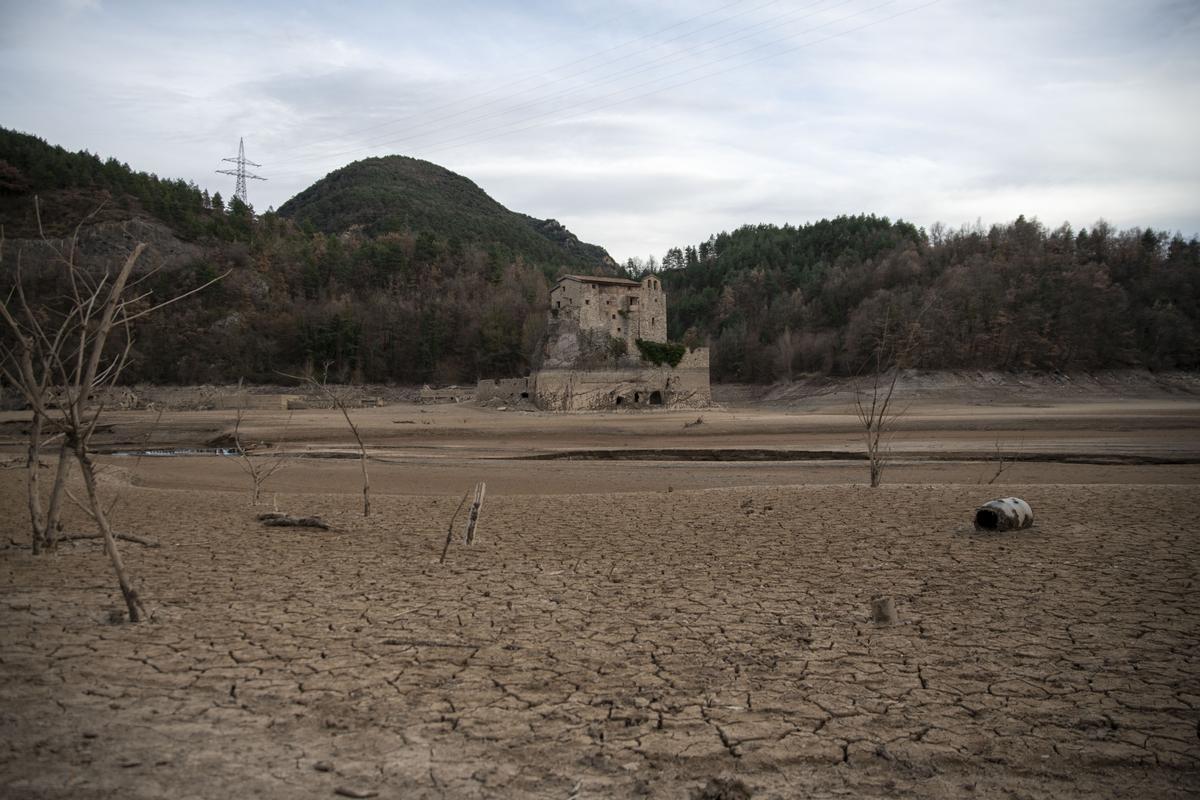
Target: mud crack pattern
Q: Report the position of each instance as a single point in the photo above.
(614, 645)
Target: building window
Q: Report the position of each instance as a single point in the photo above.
(614, 316)
(560, 303)
(587, 302)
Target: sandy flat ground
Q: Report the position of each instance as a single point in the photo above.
(621, 628)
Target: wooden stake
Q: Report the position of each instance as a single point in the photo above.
(473, 515)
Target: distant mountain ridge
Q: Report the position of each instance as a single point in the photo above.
(396, 193)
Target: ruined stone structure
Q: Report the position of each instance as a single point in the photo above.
(590, 359)
(621, 308)
(445, 394)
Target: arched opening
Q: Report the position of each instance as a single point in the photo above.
(656, 398)
(620, 400)
(524, 395)
(637, 397)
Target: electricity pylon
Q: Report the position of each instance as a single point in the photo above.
(240, 172)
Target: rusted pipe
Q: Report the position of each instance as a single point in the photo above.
(1005, 514)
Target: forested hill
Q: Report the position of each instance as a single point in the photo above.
(394, 270)
(397, 193)
(777, 301)
(433, 281)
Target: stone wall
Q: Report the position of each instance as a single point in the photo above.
(685, 386)
(510, 390)
(445, 394)
(249, 401)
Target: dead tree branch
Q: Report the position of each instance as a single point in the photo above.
(124, 537)
(450, 529)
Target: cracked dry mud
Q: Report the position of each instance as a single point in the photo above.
(614, 645)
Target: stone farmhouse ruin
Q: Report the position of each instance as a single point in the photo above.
(591, 358)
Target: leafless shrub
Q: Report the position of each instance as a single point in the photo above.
(259, 471)
(1000, 462)
(875, 395)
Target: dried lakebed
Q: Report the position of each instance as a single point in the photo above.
(613, 645)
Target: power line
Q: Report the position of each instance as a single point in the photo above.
(432, 127)
(712, 44)
(659, 90)
(536, 74)
(240, 172)
(487, 135)
(694, 80)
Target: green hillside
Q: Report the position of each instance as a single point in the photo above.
(777, 301)
(397, 193)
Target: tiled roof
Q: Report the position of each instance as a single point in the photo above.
(601, 280)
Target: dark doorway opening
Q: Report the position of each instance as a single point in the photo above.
(656, 398)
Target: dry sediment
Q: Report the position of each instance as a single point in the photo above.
(614, 645)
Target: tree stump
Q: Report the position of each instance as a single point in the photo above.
(883, 610)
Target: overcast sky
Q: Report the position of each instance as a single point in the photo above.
(643, 125)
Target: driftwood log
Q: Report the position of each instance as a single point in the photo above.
(124, 537)
(277, 520)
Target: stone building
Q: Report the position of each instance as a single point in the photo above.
(590, 358)
(618, 307)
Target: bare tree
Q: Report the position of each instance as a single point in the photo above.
(322, 385)
(86, 509)
(874, 397)
(873, 407)
(27, 365)
(58, 357)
